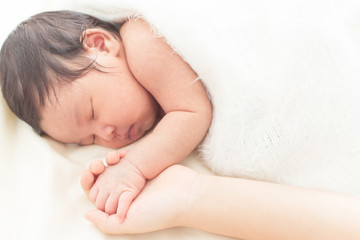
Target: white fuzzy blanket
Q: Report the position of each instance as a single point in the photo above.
(283, 77)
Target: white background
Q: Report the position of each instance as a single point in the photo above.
(15, 11)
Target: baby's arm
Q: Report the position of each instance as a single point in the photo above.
(188, 114)
(174, 85)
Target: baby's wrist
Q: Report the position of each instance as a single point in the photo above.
(133, 165)
(135, 160)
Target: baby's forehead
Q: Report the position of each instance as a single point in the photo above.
(62, 96)
(58, 116)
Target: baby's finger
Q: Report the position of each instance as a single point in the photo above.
(93, 194)
(87, 180)
(112, 158)
(112, 203)
(101, 200)
(97, 167)
(123, 152)
(125, 201)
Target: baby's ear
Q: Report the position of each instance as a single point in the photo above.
(98, 40)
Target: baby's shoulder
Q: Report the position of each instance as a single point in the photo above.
(145, 50)
(137, 33)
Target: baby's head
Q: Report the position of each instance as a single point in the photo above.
(65, 74)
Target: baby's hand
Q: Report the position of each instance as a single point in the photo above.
(115, 188)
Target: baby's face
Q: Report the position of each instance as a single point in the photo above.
(110, 109)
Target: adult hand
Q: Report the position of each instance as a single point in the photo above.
(163, 203)
(181, 197)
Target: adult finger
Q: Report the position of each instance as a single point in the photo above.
(105, 222)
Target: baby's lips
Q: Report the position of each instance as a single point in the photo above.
(122, 135)
(133, 132)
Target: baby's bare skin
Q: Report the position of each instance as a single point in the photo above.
(122, 180)
(143, 78)
(187, 116)
(89, 176)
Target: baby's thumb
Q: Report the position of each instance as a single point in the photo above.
(123, 153)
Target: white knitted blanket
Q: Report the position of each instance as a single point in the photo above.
(284, 80)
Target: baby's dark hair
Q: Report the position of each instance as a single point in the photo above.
(42, 52)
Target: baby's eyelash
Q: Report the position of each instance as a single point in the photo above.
(92, 110)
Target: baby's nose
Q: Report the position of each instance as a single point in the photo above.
(108, 133)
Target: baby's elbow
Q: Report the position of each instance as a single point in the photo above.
(207, 114)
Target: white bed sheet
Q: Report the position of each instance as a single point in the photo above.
(41, 197)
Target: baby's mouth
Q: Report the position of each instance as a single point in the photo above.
(122, 136)
(133, 132)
